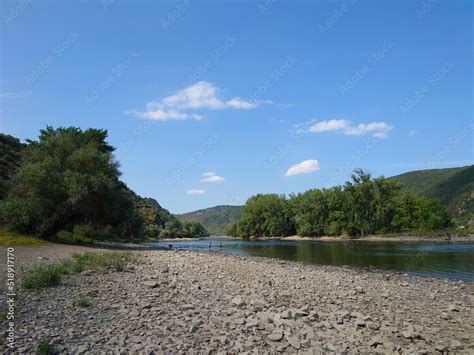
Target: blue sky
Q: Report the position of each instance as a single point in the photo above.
(211, 102)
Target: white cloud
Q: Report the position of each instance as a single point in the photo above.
(376, 129)
(212, 178)
(330, 125)
(304, 167)
(209, 173)
(195, 192)
(200, 96)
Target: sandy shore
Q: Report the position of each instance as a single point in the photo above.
(178, 301)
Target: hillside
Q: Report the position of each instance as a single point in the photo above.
(453, 186)
(215, 219)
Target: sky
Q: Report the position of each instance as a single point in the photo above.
(211, 102)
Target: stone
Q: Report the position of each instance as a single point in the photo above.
(164, 269)
(441, 348)
(150, 284)
(187, 306)
(408, 332)
(455, 344)
(376, 340)
(257, 305)
(294, 342)
(286, 314)
(238, 301)
(194, 327)
(453, 308)
(276, 335)
(81, 349)
(251, 323)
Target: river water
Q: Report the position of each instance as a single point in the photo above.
(445, 260)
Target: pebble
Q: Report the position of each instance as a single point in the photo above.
(201, 308)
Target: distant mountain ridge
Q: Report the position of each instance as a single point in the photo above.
(453, 186)
(214, 219)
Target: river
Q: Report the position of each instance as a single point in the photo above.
(442, 260)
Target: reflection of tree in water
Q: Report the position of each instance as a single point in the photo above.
(394, 256)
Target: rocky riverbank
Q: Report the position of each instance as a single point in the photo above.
(178, 301)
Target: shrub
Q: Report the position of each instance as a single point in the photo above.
(43, 347)
(83, 303)
(72, 238)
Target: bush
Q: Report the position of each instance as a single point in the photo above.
(43, 347)
(83, 303)
(71, 238)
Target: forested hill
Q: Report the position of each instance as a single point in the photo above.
(216, 219)
(453, 186)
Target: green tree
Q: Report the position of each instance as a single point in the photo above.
(69, 177)
(311, 212)
(265, 216)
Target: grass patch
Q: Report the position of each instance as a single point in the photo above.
(10, 239)
(3, 316)
(50, 275)
(44, 276)
(43, 347)
(83, 303)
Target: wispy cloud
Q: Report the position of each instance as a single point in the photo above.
(195, 192)
(305, 167)
(202, 95)
(376, 129)
(212, 178)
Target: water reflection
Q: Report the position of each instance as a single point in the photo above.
(437, 259)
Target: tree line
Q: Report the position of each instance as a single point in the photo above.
(67, 185)
(362, 206)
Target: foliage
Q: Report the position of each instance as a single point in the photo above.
(50, 275)
(265, 216)
(453, 186)
(67, 178)
(66, 237)
(160, 223)
(44, 276)
(83, 303)
(216, 219)
(10, 157)
(43, 347)
(364, 205)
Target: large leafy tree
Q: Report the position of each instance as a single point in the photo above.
(265, 216)
(69, 177)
